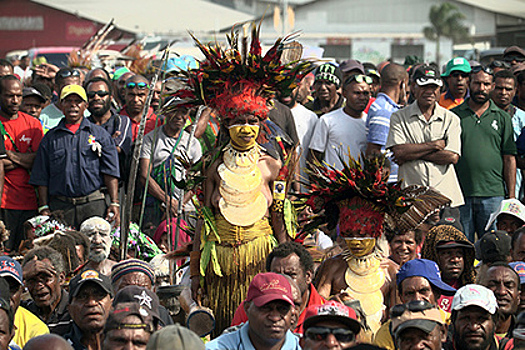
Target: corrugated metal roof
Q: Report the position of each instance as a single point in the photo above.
(154, 16)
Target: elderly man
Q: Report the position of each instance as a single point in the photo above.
(417, 280)
(330, 326)
(98, 231)
(27, 325)
(22, 135)
(73, 162)
(328, 79)
(418, 325)
(128, 327)
(504, 282)
(43, 271)
(473, 320)
(89, 306)
(456, 76)
(425, 138)
(269, 308)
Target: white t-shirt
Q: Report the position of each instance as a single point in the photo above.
(305, 121)
(337, 132)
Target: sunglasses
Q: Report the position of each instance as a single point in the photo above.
(477, 69)
(360, 78)
(69, 73)
(413, 306)
(514, 58)
(457, 74)
(100, 93)
(499, 64)
(321, 333)
(139, 86)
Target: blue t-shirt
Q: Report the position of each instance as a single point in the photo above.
(240, 340)
(378, 126)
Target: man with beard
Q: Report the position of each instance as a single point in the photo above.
(89, 305)
(328, 79)
(98, 231)
(136, 91)
(343, 131)
(456, 76)
(473, 320)
(99, 93)
(391, 96)
(43, 271)
(504, 282)
(425, 138)
(74, 161)
(22, 135)
(488, 164)
(304, 119)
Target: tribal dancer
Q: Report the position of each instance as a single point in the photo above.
(356, 201)
(238, 229)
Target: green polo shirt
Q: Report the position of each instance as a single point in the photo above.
(484, 141)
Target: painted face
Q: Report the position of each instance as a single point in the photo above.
(100, 239)
(360, 246)
(243, 136)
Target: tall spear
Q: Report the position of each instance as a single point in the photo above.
(128, 203)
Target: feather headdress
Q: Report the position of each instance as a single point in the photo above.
(238, 79)
(357, 198)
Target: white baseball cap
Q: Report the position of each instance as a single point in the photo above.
(508, 206)
(475, 295)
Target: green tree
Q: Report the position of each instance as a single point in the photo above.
(446, 21)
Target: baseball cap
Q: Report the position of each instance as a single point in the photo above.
(426, 75)
(31, 91)
(454, 244)
(329, 72)
(350, 65)
(120, 72)
(140, 295)
(495, 246)
(427, 269)
(507, 206)
(9, 267)
(416, 314)
(457, 64)
(267, 287)
(519, 267)
(121, 311)
(73, 89)
(89, 276)
(450, 216)
(514, 49)
(332, 311)
(174, 337)
(475, 295)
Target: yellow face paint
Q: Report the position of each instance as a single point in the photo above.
(360, 246)
(243, 136)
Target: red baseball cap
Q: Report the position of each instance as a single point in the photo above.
(267, 287)
(332, 311)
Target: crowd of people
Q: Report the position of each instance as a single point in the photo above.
(279, 204)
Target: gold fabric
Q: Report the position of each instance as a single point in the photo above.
(241, 254)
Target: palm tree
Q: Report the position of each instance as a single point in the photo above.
(446, 21)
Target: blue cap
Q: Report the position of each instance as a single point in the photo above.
(427, 269)
(10, 267)
(519, 267)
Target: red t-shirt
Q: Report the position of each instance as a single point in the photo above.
(73, 127)
(151, 122)
(27, 133)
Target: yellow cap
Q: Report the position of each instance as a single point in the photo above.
(73, 89)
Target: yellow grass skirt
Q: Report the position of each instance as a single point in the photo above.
(241, 254)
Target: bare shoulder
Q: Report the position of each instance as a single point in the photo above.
(270, 164)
